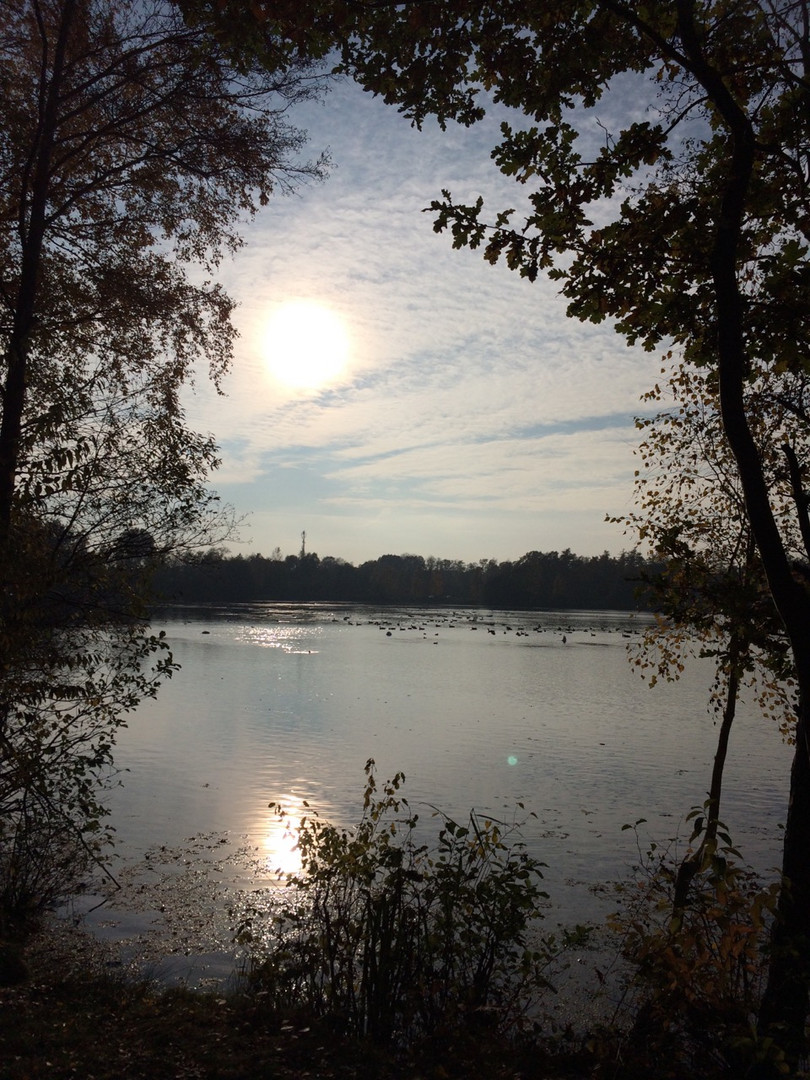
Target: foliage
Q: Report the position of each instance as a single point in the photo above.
(618, 124)
(131, 152)
(695, 978)
(397, 940)
(711, 592)
(712, 595)
(56, 758)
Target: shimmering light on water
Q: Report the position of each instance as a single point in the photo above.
(280, 835)
(292, 639)
(483, 709)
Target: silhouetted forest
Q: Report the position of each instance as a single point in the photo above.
(536, 580)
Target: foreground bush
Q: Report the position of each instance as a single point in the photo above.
(396, 939)
(697, 970)
(65, 692)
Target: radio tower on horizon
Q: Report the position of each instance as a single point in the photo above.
(303, 544)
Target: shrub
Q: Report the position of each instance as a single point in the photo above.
(63, 698)
(696, 971)
(397, 940)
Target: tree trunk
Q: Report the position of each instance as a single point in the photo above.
(693, 863)
(786, 1001)
(32, 225)
(784, 1008)
(785, 1004)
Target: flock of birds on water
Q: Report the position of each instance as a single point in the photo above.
(429, 622)
(474, 622)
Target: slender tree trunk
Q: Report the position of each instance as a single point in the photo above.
(692, 864)
(785, 1005)
(787, 997)
(786, 1002)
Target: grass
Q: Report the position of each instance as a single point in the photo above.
(72, 1019)
(103, 1030)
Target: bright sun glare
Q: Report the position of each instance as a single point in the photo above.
(306, 345)
(281, 837)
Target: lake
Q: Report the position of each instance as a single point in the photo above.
(285, 703)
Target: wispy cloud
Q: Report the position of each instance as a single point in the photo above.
(474, 418)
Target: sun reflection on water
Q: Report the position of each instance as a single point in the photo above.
(290, 639)
(280, 835)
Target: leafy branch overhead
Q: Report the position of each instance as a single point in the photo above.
(617, 119)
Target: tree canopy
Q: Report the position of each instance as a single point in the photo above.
(131, 152)
(536, 580)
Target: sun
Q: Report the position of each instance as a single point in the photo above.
(306, 345)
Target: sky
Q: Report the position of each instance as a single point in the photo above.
(471, 419)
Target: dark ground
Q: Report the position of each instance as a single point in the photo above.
(75, 1018)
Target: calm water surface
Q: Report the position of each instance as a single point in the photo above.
(282, 703)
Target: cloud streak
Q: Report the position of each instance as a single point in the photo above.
(474, 418)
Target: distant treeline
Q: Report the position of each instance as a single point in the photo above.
(537, 580)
